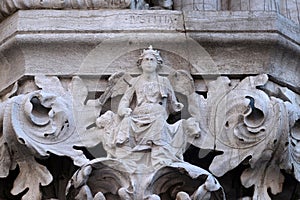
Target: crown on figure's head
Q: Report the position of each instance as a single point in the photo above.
(151, 51)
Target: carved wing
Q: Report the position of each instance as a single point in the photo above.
(117, 84)
(86, 115)
(182, 82)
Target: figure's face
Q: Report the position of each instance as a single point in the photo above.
(149, 63)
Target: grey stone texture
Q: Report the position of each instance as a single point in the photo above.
(238, 42)
(234, 65)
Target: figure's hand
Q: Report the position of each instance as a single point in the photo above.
(211, 184)
(126, 112)
(178, 107)
(105, 120)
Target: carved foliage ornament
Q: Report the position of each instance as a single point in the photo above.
(250, 124)
(35, 125)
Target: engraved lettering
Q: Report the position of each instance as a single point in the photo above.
(151, 19)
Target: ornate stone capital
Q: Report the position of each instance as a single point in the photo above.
(252, 121)
(211, 111)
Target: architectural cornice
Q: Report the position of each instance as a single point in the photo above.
(8, 7)
(267, 33)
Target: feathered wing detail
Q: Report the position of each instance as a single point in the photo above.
(117, 84)
(182, 82)
(87, 115)
(84, 115)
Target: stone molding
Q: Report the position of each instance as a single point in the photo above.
(8, 7)
(44, 31)
(288, 9)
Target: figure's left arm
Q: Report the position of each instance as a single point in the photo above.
(172, 103)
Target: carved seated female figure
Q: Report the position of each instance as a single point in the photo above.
(145, 107)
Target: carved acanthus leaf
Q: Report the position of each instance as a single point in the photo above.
(36, 124)
(16, 152)
(246, 124)
(31, 176)
(43, 120)
(99, 177)
(51, 85)
(6, 162)
(264, 176)
(5, 158)
(291, 157)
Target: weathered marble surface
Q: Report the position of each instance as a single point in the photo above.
(8, 7)
(287, 8)
(53, 119)
(227, 46)
(236, 45)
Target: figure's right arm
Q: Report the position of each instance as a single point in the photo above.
(124, 106)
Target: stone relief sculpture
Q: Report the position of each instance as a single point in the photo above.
(246, 120)
(8, 7)
(154, 4)
(143, 149)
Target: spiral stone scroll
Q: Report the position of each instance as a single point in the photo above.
(34, 125)
(250, 123)
(247, 120)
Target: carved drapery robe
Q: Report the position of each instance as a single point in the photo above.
(147, 125)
